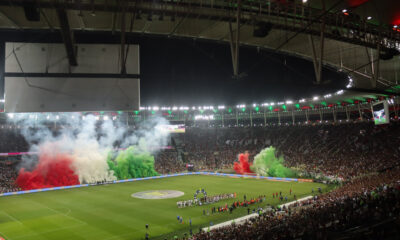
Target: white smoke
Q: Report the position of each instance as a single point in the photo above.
(89, 141)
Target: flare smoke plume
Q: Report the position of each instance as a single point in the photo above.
(78, 151)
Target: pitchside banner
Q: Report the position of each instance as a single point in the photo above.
(39, 78)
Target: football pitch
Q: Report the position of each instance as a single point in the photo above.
(109, 212)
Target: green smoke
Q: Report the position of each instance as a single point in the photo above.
(266, 163)
(132, 163)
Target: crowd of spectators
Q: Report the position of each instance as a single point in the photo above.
(343, 150)
(166, 161)
(7, 177)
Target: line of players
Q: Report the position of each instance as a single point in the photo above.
(205, 200)
(236, 204)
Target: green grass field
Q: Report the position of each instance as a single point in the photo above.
(108, 212)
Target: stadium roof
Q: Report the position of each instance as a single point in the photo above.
(351, 32)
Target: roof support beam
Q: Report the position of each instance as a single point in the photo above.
(10, 20)
(376, 73)
(67, 36)
(235, 41)
(47, 20)
(123, 40)
(318, 62)
(369, 76)
(2, 67)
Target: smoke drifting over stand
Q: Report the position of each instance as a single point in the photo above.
(78, 151)
(242, 166)
(132, 163)
(266, 163)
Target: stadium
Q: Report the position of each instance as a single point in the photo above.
(199, 119)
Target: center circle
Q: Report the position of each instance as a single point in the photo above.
(158, 194)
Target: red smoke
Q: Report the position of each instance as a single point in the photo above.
(53, 170)
(243, 166)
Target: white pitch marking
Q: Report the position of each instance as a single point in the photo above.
(13, 218)
(70, 217)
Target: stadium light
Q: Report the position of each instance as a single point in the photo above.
(193, 108)
(105, 118)
(315, 98)
(344, 11)
(340, 92)
(10, 115)
(48, 117)
(305, 1)
(2, 100)
(221, 107)
(97, 118)
(156, 108)
(281, 103)
(272, 104)
(369, 18)
(174, 108)
(289, 102)
(328, 96)
(58, 117)
(142, 108)
(302, 100)
(204, 117)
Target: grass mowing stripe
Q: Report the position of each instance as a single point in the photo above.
(48, 231)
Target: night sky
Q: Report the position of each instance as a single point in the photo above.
(192, 72)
